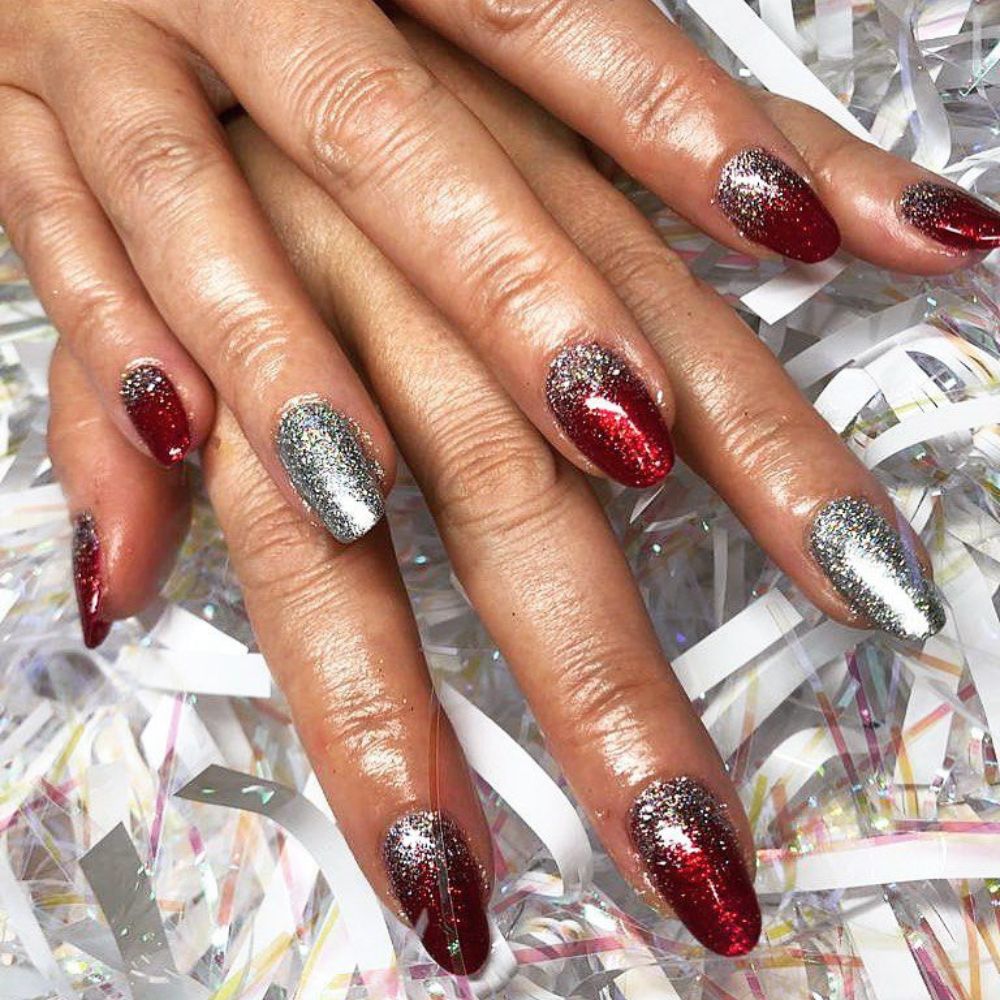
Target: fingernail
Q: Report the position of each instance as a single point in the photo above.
(156, 412)
(693, 858)
(325, 459)
(873, 570)
(950, 216)
(89, 581)
(441, 889)
(607, 412)
(770, 204)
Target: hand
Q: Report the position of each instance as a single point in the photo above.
(157, 265)
(528, 541)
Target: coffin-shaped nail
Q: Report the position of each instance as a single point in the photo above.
(770, 204)
(88, 578)
(441, 889)
(950, 216)
(327, 463)
(607, 412)
(156, 412)
(693, 859)
(868, 563)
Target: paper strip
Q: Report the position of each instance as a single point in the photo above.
(782, 295)
(242, 676)
(880, 942)
(524, 786)
(733, 645)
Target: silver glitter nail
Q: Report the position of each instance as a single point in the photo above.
(326, 462)
(866, 560)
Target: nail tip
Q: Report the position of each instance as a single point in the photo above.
(950, 216)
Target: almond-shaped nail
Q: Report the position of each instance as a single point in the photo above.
(607, 412)
(878, 576)
(156, 412)
(441, 889)
(328, 464)
(950, 216)
(693, 859)
(769, 203)
(88, 579)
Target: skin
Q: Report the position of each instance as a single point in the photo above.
(145, 243)
(527, 539)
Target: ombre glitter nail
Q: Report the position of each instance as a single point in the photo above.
(608, 413)
(950, 216)
(88, 578)
(441, 889)
(325, 459)
(156, 412)
(693, 859)
(877, 575)
(770, 204)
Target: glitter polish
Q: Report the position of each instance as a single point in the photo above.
(868, 563)
(608, 413)
(156, 412)
(693, 859)
(950, 216)
(327, 463)
(89, 580)
(441, 889)
(770, 204)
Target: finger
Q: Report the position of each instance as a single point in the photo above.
(890, 211)
(156, 158)
(129, 515)
(536, 555)
(351, 102)
(742, 423)
(336, 630)
(154, 393)
(625, 77)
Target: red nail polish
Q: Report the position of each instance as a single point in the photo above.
(607, 412)
(950, 216)
(157, 413)
(770, 204)
(693, 858)
(89, 581)
(441, 889)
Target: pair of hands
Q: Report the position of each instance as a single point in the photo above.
(525, 535)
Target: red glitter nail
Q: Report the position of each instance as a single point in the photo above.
(157, 413)
(89, 581)
(693, 858)
(607, 412)
(441, 889)
(950, 216)
(770, 204)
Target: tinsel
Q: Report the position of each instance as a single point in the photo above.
(161, 833)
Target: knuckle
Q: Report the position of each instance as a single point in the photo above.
(363, 724)
(508, 17)
(39, 211)
(762, 435)
(657, 97)
(495, 476)
(247, 337)
(360, 115)
(97, 318)
(157, 162)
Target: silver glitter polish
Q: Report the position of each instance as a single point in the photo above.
(326, 462)
(866, 560)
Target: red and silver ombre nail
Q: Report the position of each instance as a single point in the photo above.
(608, 413)
(693, 858)
(770, 204)
(156, 412)
(950, 216)
(441, 889)
(89, 580)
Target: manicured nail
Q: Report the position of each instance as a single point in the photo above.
(608, 413)
(156, 412)
(865, 558)
(950, 216)
(693, 858)
(770, 204)
(89, 580)
(327, 463)
(441, 889)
